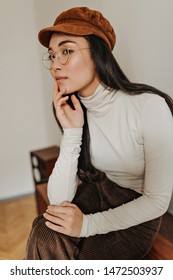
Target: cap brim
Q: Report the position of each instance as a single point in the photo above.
(65, 28)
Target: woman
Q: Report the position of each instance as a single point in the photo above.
(113, 179)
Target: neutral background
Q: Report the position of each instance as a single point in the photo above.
(143, 49)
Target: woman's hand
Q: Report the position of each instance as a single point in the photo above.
(67, 117)
(65, 218)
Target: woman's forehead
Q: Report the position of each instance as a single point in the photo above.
(57, 38)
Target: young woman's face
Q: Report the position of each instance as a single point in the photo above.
(78, 73)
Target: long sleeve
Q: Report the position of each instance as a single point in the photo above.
(157, 134)
(62, 183)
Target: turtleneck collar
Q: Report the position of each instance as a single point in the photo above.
(100, 101)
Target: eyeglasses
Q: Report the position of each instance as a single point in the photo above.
(62, 55)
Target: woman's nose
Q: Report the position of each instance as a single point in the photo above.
(56, 65)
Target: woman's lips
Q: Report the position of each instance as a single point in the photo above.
(61, 79)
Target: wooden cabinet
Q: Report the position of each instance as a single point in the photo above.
(42, 163)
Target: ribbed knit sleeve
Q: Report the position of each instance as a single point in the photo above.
(62, 182)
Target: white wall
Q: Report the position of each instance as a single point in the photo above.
(24, 118)
(144, 50)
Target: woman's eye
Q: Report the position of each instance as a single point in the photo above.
(67, 51)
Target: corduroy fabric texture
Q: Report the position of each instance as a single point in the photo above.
(129, 244)
(80, 21)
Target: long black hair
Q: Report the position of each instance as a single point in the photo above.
(112, 76)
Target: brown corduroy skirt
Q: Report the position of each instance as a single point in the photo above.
(129, 244)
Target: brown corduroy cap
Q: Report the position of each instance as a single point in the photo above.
(80, 21)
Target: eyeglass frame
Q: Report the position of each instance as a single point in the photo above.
(52, 60)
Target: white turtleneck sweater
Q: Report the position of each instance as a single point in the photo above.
(131, 141)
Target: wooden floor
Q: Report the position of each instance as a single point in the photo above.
(16, 218)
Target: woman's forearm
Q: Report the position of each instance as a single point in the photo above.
(62, 182)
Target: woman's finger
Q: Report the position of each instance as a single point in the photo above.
(56, 210)
(57, 93)
(58, 104)
(56, 89)
(58, 220)
(56, 228)
(76, 103)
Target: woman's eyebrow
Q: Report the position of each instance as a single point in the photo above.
(63, 43)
